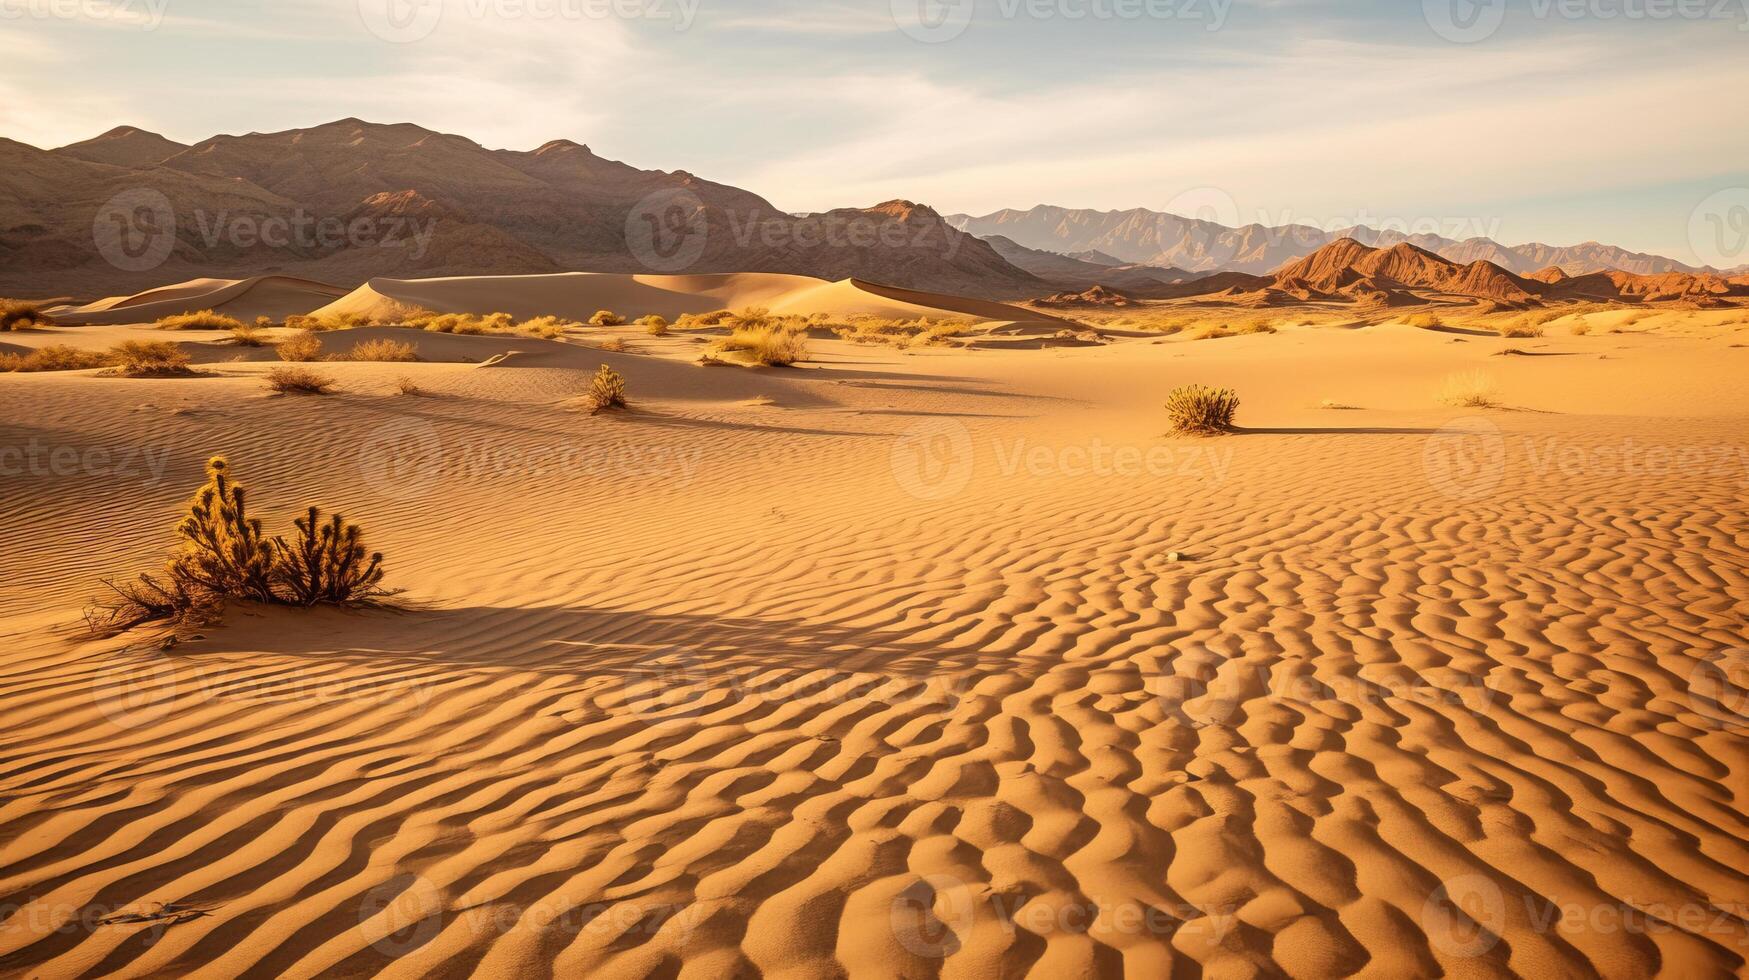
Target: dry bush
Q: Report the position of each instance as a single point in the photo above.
(547, 327)
(298, 381)
(150, 359)
(224, 554)
(1469, 389)
(1210, 332)
(407, 386)
(1425, 321)
(330, 321)
(1254, 328)
(607, 390)
(381, 350)
(770, 346)
(16, 314)
(1520, 329)
(304, 346)
(1199, 410)
(325, 563)
(715, 318)
(56, 357)
(199, 320)
(249, 335)
(654, 325)
(1580, 327)
(900, 333)
(607, 318)
(612, 345)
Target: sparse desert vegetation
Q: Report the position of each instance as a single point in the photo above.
(768, 345)
(1519, 329)
(223, 554)
(607, 391)
(1469, 389)
(1200, 410)
(408, 386)
(17, 314)
(249, 335)
(304, 346)
(653, 325)
(150, 359)
(606, 318)
(200, 320)
(56, 357)
(381, 350)
(1425, 321)
(289, 380)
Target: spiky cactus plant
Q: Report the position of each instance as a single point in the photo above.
(224, 551)
(326, 562)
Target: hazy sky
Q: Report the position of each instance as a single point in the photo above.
(1546, 120)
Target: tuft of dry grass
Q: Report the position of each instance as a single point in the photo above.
(1200, 410)
(249, 335)
(56, 357)
(547, 327)
(1211, 332)
(150, 359)
(1580, 327)
(607, 390)
(407, 386)
(304, 346)
(298, 381)
(17, 314)
(612, 345)
(767, 345)
(607, 318)
(1469, 389)
(715, 318)
(1520, 329)
(654, 325)
(901, 333)
(381, 350)
(1425, 321)
(199, 320)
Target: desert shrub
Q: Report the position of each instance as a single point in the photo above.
(325, 562)
(1425, 321)
(407, 386)
(56, 357)
(1580, 327)
(654, 325)
(1211, 332)
(772, 346)
(612, 345)
(149, 359)
(714, 318)
(298, 381)
(224, 554)
(607, 390)
(1253, 328)
(899, 333)
(303, 346)
(606, 318)
(547, 327)
(16, 314)
(1521, 329)
(199, 320)
(1469, 389)
(381, 350)
(248, 336)
(1199, 410)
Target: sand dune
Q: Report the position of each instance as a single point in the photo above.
(850, 681)
(276, 297)
(578, 295)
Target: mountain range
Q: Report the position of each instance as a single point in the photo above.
(1155, 238)
(350, 200)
